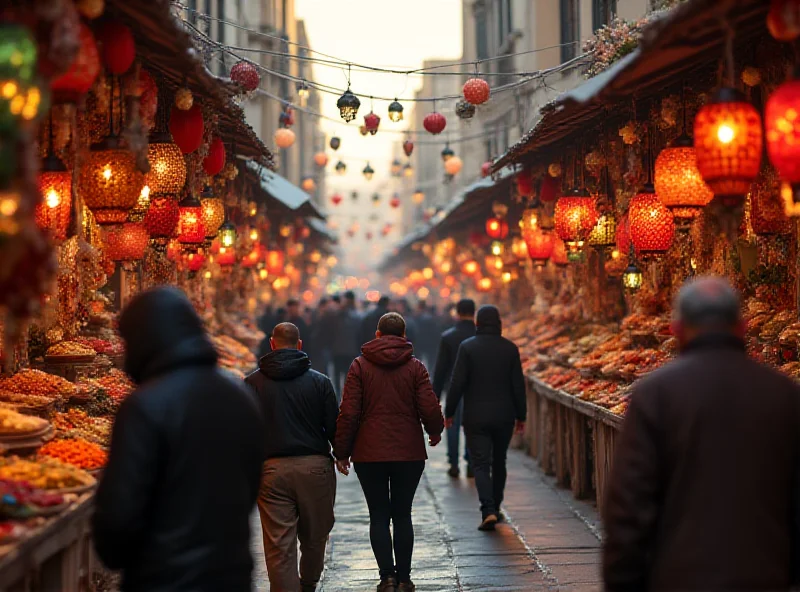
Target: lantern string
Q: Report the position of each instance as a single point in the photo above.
(729, 59)
(683, 104)
(111, 107)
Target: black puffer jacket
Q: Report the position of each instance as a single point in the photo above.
(488, 375)
(298, 405)
(173, 507)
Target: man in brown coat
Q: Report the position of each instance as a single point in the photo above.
(703, 491)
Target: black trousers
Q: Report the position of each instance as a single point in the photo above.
(341, 366)
(488, 446)
(389, 489)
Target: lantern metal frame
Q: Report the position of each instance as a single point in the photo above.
(348, 105)
(395, 111)
(341, 168)
(368, 172)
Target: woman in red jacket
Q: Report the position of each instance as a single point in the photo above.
(387, 395)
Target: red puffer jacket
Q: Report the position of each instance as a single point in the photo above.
(386, 395)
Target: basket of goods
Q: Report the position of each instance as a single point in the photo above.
(46, 473)
(116, 384)
(77, 423)
(69, 352)
(109, 347)
(28, 404)
(18, 500)
(77, 452)
(36, 382)
(15, 426)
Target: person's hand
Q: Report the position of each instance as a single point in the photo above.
(343, 466)
(448, 422)
(434, 439)
(519, 427)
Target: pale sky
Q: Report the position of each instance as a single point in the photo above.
(387, 33)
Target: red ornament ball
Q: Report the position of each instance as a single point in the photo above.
(783, 19)
(371, 122)
(394, 202)
(408, 147)
(161, 218)
(782, 124)
(119, 48)
(215, 161)
(434, 123)
(476, 91)
(186, 128)
(83, 71)
(486, 168)
(497, 228)
(245, 74)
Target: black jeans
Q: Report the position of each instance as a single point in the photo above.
(389, 488)
(488, 446)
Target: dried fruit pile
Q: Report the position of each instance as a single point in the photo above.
(102, 346)
(77, 452)
(76, 423)
(12, 422)
(36, 382)
(44, 473)
(70, 349)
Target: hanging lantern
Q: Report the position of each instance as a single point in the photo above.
(465, 110)
(524, 181)
(408, 147)
(119, 49)
(494, 264)
(678, 182)
(497, 228)
(348, 105)
(447, 153)
(341, 168)
(336, 199)
(550, 188)
(651, 224)
(286, 118)
(227, 235)
(632, 277)
(484, 285)
(194, 261)
(371, 122)
(540, 245)
(275, 260)
(529, 220)
(767, 215)
(284, 137)
(575, 217)
(162, 216)
(213, 215)
(245, 74)
(363, 130)
(783, 130)
(476, 91)
(418, 197)
(434, 123)
(215, 161)
(728, 144)
(187, 128)
(190, 222)
(167, 166)
(396, 168)
(110, 182)
(470, 267)
(395, 111)
(486, 168)
(376, 199)
(394, 202)
(55, 186)
(368, 172)
(559, 256)
(604, 233)
(308, 184)
(519, 248)
(226, 257)
(126, 242)
(453, 165)
(408, 170)
(335, 143)
(76, 82)
(497, 248)
(321, 159)
(783, 19)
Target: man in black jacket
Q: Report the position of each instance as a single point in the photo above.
(488, 375)
(299, 484)
(173, 507)
(445, 361)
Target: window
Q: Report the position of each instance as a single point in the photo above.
(570, 29)
(603, 12)
(481, 31)
(503, 20)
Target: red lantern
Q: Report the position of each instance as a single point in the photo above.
(728, 144)
(119, 49)
(678, 183)
(782, 124)
(783, 19)
(486, 168)
(575, 217)
(497, 228)
(254, 256)
(525, 183)
(194, 261)
(126, 242)
(651, 223)
(551, 186)
(623, 235)
(226, 256)
(174, 250)
(215, 161)
(434, 123)
(476, 91)
(321, 159)
(275, 260)
(187, 128)
(540, 245)
(559, 256)
(55, 187)
(336, 199)
(162, 217)
(245, 74)
(77, 81)
(371, 122)
(408, 147)
(190, 222)
(394, 202)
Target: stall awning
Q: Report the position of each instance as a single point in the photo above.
(282, 190)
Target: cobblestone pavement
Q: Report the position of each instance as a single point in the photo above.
(552, 542)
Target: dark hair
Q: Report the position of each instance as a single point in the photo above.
(350, 295)
(293, 302)
(323, 301)
(286, 335)
(384, 301)
(337, 299)
(392, 324)
(465, 308)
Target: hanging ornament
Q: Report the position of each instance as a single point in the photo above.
(226, 257)
(308, 184)
(90, 9)
(368, 172)
(496, 228)
(363, 130)
(395, 111)
(783, 19)
(476, 91)
(408, 147)
(126, 242)
(335, 143)
(213, 210)
(167, 167)
(55, 186)
(465, 110)
(632, 277)
(540, 244)
(119, 48)
(371, 122)
(276, 261)
(284, 137)
(396, 168)
(348, 105)
(678, 182)
(341, 168)
(245, 74)
(447, 153)
(549, 190)
(575, 217)
(321, 159)
(604, 233)
(286, 118)
(184, 99)
(408, 170)
(524, 181)
(453, 165)
(651, 225)
(162, 216)
(434, 123)
(470, 267)
(336, 199)
(187, 128)
(783, 131)
(418, 197)
(191, 232)
(486, 168)
(110, 183)
(554, 170)
(227, 235)
(194, 261)
(394, 203)
(213, 163)
(728, 143)
(76, 82)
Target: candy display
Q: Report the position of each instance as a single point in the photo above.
(76, 451)
(116, 384)
(48, 474)
(70, 349)
(109, 347)
(14, 423)
(36, 382)
(19, 500)
(77, 423)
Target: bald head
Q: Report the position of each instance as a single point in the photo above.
(285, 336)
(707, 304)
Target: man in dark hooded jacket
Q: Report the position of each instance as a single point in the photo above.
(299, 484)
(488, 376)
(173, 507)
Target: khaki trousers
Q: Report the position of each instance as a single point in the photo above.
(296, 503)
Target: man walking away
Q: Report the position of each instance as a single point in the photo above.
(172, 511)
(445, 361)
(488, 376)
(295, 316)
(299, 485)
(704, 491)
(345, 341)
(370, 321)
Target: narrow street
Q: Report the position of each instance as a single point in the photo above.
(551, 543)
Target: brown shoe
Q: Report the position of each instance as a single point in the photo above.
(388, 585)
(406, 587)
(488, 523)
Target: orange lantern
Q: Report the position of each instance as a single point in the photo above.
(678, 182)
(575, 217)
(484, 284)
(284, 137)
(559, 256)
(162, 217)
(321, 159)
(213, 213)
(470, 267)
(782, 124)
(167, 167)
(126, 242)
(226, 256)
(110, 182)
(651, 223)
(540, 245)
(190, 222)
(55, 186)
(728, 143)
(497, 228)
(275, 260)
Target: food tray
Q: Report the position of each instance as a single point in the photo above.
(69, 359)
(17, 436)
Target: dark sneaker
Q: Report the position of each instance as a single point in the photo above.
(488, 523)
(453, 471)
(388, 585)
(501, 516)
(470, 473)
(406, 586)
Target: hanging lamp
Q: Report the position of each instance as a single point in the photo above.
(55, 187)
(395, 111)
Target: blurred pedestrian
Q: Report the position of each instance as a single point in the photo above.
(345, 340)
(172, 511)
(427, 334)
(402, 308)
(294, 315)
(323, 329)
(488, 376)
(450, 341)
(370, 320)
(298, 485)
(704, 491)
(387, 394)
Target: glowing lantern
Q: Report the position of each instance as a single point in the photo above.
(110, 182)
(632, 277)
(470, 267)
(519, 249)
(83, 71)
(119, 49)
(284, 137)
(162, 216)
(308, 184)
(559, 255)
(167, 167)
(213, 215)
(408, 170)
(227, 234)
(408, 147)
(245, 74)
(348, 105)
(767, 215)
(396, 168)
(395, 111)
(604, 233)
(321, 159)
(678, 182)
(790, 207)
(529, 220)
(497, 228)
(782, 123)
(575, 217)
(368, 172)
(126, 242)
(484, 284)
(783, 19)
(55, 186)
(226, 257)
(434, 123)
(215, 161)
(253, 257)
(524, 183)
(194, 261)
(371, 122)
(651, 223)
(190, 222)
(476, 91)
(728, 143)
(540, 245)
(453, 165)
(275, 260)
(187, 127)
(497, 248)
(418, 197)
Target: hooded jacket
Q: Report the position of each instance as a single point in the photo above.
(387, 394)
(297, 404)
(173, 507)
(488, 376)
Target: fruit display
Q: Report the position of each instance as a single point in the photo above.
(18, 500)
(36, 382)
(14, 423)
(109, 347)
(76, 451)
(77, 423)
(19, 400)
(70, 349)
(45, 473)
(116, 384)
